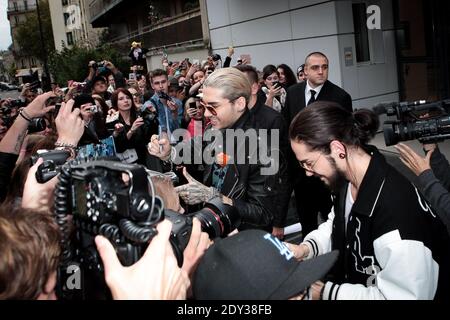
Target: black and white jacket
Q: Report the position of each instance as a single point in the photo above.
(394, 247)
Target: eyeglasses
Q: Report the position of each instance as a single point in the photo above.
(213, 110)
(307, 165)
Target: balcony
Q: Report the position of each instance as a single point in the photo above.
(175, 31)
(14, 10)
(101, 11)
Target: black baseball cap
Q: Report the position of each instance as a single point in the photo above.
(99, 79)
(83, 99)
(301, 69)
(254, 265)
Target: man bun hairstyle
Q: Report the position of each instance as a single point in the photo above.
(323, 121)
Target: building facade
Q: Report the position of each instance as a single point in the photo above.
(17, 14)
(177, 28)
(403, 56)
(71, 25)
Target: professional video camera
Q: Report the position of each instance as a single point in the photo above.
(100, 201)
(427, 122)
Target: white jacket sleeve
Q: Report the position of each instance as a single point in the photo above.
(408, 272)
(319, 241)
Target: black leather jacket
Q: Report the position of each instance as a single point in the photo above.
(253, 194)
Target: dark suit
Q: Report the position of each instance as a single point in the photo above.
(312, 196)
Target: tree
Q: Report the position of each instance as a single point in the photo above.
(28, 35)
(72, 64)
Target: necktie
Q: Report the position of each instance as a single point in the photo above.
(313, 97)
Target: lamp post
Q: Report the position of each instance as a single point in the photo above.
(45, 85)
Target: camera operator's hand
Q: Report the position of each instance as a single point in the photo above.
(38, 107)
(69, 125)
(92, 64)
(199, 242)
(110, 66)
(195, 192)
(230, 51)
(191, 113)
(412, 160)
(136, 125)
(25, 89)
(300, 251)
(38, 196)
(274, 91)
(118, 128)
(160, 148)
(192, 70)
(172, 106)
(156, 276)
(429, 146)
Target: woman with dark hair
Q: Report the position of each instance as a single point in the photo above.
(272, 92)
(391, 244)
(132, 133)
(287, 76)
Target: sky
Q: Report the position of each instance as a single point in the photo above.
(5, 31)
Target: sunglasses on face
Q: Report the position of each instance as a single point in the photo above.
(213, 109)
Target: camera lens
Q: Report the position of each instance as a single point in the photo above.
(218, 219)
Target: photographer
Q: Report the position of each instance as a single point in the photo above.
(273, 92)
(433, 177)
(94, 119)
(28, 93)
(170, 110)
(96, 82)
(11, 144)
(225, 97)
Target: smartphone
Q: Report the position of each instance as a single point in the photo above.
(193, 105)
(132, 76)
(57, 108)
(196, 62)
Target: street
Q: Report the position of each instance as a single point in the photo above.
(9, 94)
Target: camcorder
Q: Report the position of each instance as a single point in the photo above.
(420, 120)
(97, 200)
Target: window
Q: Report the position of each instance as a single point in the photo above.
(16, 19)
(65, 2)
(70, 38)
(25, 5)
(66, 18)
(16, 8)
(361, 32)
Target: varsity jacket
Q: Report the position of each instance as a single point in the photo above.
(393, 247)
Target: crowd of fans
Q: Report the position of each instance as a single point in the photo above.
(379, 240)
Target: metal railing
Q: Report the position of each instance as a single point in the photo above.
(21, 8)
